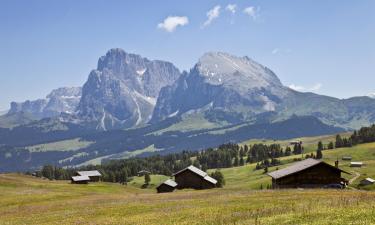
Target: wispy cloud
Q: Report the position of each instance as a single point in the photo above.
(231, 8)
(275, 51)
(211, 15)
(252, 12)
(315, 87)
(172, 22)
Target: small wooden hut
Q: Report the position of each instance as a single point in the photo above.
(143, 172)
(347, 158)
(367, 181)
(356, 164)
(94, 175)
(167, 186)
(80, 180)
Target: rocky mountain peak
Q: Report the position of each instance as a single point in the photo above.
(122, 91)
(221, 67)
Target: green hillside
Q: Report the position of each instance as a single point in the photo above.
(29, 200)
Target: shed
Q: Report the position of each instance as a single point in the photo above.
(347, 158)
(309, 173)
(356, 164)
(94, 175)
(367, 181)
(80, 179)
(143, 172)
(167, 186)
(192, 177)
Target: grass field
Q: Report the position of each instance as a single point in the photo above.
(28, 200)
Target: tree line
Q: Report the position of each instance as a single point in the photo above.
(225, 156)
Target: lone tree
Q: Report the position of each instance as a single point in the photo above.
(147, 179)
(320, 146)
(217, 175)
(319, 154)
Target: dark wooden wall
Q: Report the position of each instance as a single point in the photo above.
(188, 179)
(164, 188)
(316, 176)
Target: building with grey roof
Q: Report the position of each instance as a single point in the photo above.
(94, 175)
(307, 173)
(192, 177)
(167, 186)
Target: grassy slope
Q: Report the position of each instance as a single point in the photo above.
(309, 143)
(26, 200)
(66, 145)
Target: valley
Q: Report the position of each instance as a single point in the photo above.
(240, 201)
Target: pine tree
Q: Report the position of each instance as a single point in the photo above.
(320, 146)
(242, 162)
(319, 154)
(339, 142)
(331, 145)
(236, 161)
(147, 179)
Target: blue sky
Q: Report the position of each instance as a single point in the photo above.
(323, 46)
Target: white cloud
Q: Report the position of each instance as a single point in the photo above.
(371, 95)
(251, 11)
(315, 87)
(172, 22)
(211, 15)
(231, 8)
(275, 51)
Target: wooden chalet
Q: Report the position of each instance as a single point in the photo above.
(309, 173)
(167, 186)
(80, 179)
(192, 177)
(94, 175)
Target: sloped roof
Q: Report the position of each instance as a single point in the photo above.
(170, 183)
(199, 172)
(194, 170)
(210, 179)
(91, 173)
(81, 178)
(297, 167)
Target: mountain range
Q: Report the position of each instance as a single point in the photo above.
(142, 104)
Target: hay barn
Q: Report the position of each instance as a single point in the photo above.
(192, 177)
(80, 180)
(94, 175)
(309, 173)
(356, 164)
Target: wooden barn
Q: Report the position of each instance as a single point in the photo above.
(192, 177)
(309, 173)
(356, 164)
(167, 186)
(94, 175)
(367, 181)
(80, 180)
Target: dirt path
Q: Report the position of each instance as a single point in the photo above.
(354, 178)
